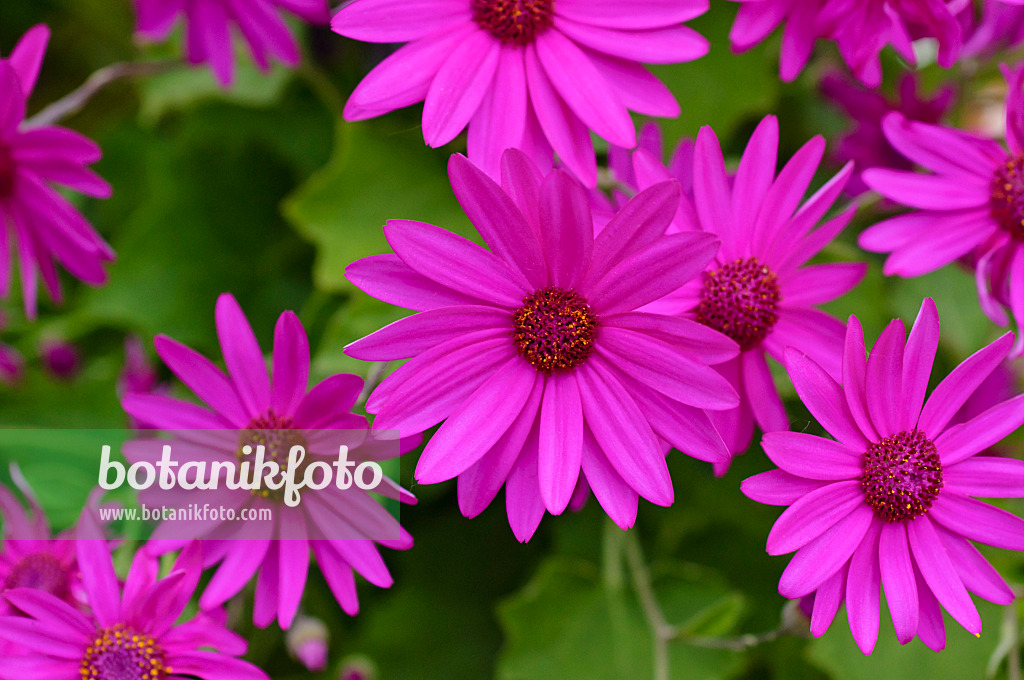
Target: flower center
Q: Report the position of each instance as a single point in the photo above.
(277, 434)
(6, 172)
(40, 571)
(119, 653)
(555, 329)
(740, 299)
(1007, 202)
(515, 22)
(902, 476)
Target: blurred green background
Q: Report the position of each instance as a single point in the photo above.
(264, 192)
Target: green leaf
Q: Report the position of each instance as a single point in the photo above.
(567, 624)
(180, 89)
(374, 176)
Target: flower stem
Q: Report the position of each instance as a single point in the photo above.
(661, 629)
(74, 101)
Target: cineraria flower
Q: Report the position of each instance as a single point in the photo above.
(533, 353)
(971, 204)
(30, 556)
(536, 75)
(131, 633)
(43, 226)
(860, 29)
(889, 501)
(245, 401)
(864, 143)
(758, 290)
(209, 23)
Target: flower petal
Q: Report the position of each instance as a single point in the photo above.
(811, 457)
(813, 515)
(939, 573)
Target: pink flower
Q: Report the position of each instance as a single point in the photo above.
(864, 143)
(60, 358)
(44, 227)
(759, 290)
(30, 555)
(537, 75)
(970, 204)
(861, 29)
(209, 24)
(888, 502)
(533, 353)
(131, 633)
(245, 402)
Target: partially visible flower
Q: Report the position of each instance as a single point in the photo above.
(209, 25)
(536, 75)
(861, 29)
(864, 143)
(245, 401)
(533, 353)
(42, 225)
(889, 502)
(30, 555)
(307, 642)
(132, 631)
(60, 358)
(970, 204)
(759, 290)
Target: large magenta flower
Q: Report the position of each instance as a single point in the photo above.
(759, 289)
(43, 226)
(131, 633)
(970, 204)
(209, 23)
(860, 29)
(533, 353)
(535, 75)
(245, 401)
(889, 501)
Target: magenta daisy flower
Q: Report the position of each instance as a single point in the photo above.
(131, 633)
(43, 226)
(970, 204)
(889, 502)
(759, 290)
(864, 143)
(245, 401)
(537, 75)
(861, 29)
(533, 353)
(209, 24)
(30, 555)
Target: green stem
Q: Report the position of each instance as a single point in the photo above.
(660, 628)
(74, 102)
